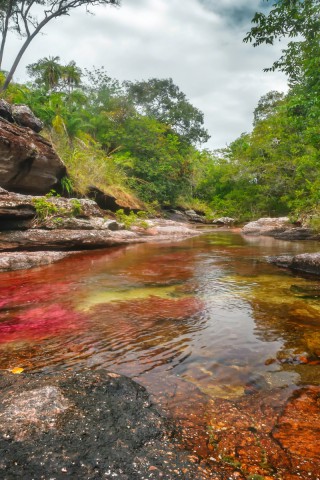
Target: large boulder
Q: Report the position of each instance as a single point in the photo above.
(267, 226)
(86, 425)
(28, 162)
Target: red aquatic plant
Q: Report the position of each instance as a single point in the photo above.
(40, 322)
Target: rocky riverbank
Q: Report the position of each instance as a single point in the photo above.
(38, 230)
(88, 425)
(281, 228)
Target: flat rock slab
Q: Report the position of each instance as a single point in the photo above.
(10, 261)
(304, 262)
(88, 425)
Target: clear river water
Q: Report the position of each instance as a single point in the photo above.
(196, 320)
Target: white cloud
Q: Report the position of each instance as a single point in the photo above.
(196, 42)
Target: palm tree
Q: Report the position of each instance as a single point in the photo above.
(71, 75)
(47, 72)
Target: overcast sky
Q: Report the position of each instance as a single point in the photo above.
(198, 43)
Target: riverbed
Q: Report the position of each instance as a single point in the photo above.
(204, 323)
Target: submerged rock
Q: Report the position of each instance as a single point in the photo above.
(90, 425)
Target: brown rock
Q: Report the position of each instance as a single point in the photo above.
(28, 163)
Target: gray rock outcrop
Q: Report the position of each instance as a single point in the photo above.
(304, 262)
(23, 116)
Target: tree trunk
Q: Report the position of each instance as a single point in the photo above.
(23, 49)
(5, 31)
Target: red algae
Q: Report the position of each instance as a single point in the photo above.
(217, 314)
(38, 323)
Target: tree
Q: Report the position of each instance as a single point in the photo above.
(71, 75)
(47, 71)
(267, 106)
(6, 12)
(22, 17)
(291, 19)
(162, 100)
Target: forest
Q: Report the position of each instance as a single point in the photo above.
(145, 138)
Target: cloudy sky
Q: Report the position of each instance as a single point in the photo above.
(198, 43)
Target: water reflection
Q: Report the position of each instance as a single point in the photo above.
(209, 310)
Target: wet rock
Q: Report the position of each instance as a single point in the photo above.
(28, 163)
(36, 409)
(306, 291)
(269, 434)
(267, 226)
(304, 262)
(92, 425)
(5, 110)
(24, 117)
(23, 260)
(298, 431)
(296, 233)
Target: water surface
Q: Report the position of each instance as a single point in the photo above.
(205, 317)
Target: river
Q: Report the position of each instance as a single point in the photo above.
(199, 322)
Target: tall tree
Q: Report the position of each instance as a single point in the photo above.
(71, 75)
(47, 71)
(162, 99)
(28, 22)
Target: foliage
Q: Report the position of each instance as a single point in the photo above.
(44, 208)
(162, 100)
(132, 219)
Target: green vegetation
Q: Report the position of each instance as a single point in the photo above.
(141, 141)
(47, 209)
(44, 208)
(132, 219)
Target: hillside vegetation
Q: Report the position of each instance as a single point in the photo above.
(143, 141)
